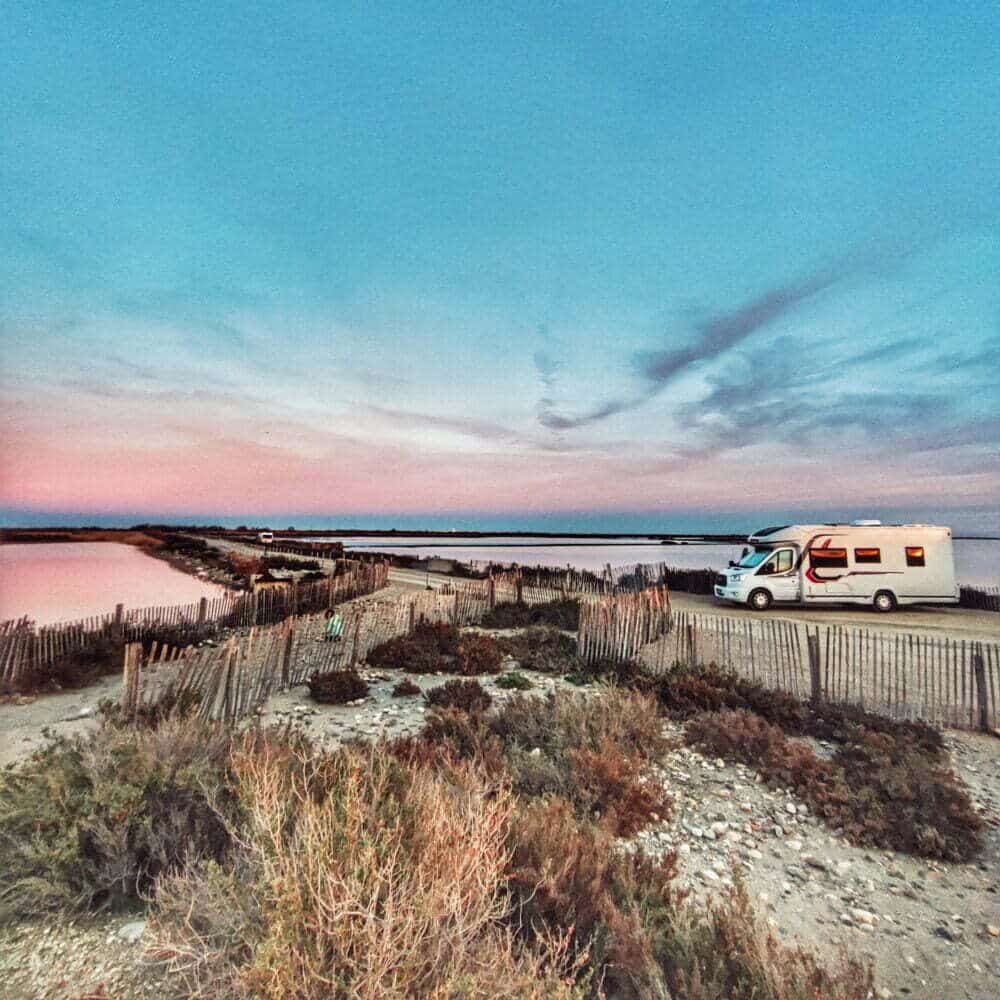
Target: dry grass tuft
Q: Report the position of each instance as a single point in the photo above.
(358, 877)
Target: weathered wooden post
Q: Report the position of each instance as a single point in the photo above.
(118, 625)
(492, 593)
(692, 644)
(982, 695)
(202, 613)
(812, 646)
(286, 653)
(520, 587)
(130, 678)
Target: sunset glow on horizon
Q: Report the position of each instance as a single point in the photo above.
(325, 261)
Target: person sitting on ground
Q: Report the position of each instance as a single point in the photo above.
(334, 626)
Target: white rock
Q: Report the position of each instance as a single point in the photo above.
(132, 931)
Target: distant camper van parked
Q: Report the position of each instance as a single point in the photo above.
(265, 537)
(865, 562)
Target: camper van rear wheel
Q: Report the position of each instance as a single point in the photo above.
(885, 601)
(760, 599)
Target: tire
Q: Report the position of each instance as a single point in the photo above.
(760, 599)
(884, 602)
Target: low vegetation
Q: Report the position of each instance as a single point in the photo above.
(546, 650)
(438, 648)
(467, 696)
(337, 687)
(406, 689)
(274, 869)
(92, 822)
(887, 784)
(563, 614)
(513, 680)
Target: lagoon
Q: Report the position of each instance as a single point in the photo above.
(977, 561)
(64, 581)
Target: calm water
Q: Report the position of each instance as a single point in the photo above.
(67, 580)
(976, 562)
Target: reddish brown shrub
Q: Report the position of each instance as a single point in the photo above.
(467, 696)
(879, 790)
(337, 687)
(428, 649)
(405, 689)
(478, 654)
(612, 780)
(566, 875)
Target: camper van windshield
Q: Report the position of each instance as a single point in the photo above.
(754, 558)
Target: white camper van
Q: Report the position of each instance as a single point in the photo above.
(865, 562)
(265, 537)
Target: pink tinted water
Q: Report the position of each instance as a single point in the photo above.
(68, 580)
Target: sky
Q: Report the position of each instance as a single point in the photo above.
(581, 264)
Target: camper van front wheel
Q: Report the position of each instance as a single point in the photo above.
(760, 600)
(884, 601)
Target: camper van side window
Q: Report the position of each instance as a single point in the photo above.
(828, 558)
(915, 555)
(867, 555)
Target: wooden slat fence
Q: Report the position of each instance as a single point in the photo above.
(27, 651)
(980, 598)
(229, 681)
(944, 681)
(618, 627)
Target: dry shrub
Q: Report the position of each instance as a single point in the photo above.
(594, 751)
(564, 614)
(724, 952)
(358, 877)
(478, 654)
(467, 696)
(609, 781)
(642, 937)
(565, 721)
(406, 689)
(543, 649)
(568, 877)
(451, 735)
(879, 790)
(688, 691)
(93, 820)
(428, 649)
(337, 687)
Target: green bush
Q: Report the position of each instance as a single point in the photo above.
(92, 821)
(512, 680)
(546, 650)
(563, 614)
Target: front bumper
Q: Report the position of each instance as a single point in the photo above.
(729, 594)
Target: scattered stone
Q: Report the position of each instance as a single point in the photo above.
(132, 931)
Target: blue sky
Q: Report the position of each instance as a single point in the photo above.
(442, 259)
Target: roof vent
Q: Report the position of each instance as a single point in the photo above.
(865, 524)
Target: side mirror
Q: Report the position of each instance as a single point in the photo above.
(732, 563)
